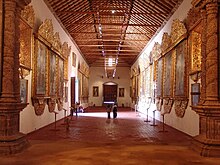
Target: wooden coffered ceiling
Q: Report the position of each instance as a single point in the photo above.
(117, 29)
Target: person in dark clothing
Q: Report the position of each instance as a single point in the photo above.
(115, 109)
(108, 111)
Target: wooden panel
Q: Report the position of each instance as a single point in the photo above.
(110, 92)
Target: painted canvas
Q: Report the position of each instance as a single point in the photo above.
(168, 75)
(41, 69)
(95, 91)
(53, 75)
(23, 90)
(121, 92)
(180, 77)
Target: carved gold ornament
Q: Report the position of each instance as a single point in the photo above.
(28, 15)
(166, 42)
(177, 31)
(196, 52)
(46, 31)
(180, 107)
(156, 51)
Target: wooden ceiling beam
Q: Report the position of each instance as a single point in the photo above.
(114, 24)
(118, 40)
(109, 13)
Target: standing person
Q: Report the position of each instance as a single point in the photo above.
(115, 109)
(108, 111)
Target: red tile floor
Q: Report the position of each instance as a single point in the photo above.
(92, 139)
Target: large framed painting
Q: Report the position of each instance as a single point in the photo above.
(23, 90)
(168, 65)
(95, 91)
(40, 68)
(181, 70)
(52, 74)
(159, 81)
(60, 77)
(121, 92)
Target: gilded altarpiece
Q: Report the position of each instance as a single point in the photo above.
(179, 43)
(50, 69)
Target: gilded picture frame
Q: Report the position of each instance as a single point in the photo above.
(95, 91)
(181, 81)
(40, 69)
(121, 92)
(52, 74)
(23, 90)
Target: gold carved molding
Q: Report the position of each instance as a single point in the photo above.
(39, 105)
(195, 51)
(65, 53)
(59, 104)
(156, 51)
(28, 15)
(178, 29)
(26, 39)
(46, 31)
(180, 107)
(56, 43)
(166, 42)
(51, 102)
(168, 104)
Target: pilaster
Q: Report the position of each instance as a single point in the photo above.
(11, 140)
(207, 143)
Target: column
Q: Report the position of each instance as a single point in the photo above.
(11, 140)
(207, 143)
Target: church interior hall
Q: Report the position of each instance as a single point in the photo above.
(152, 65)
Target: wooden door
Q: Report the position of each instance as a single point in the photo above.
(110, 93)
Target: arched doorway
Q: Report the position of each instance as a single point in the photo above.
(110, 92)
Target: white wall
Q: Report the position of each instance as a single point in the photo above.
(190, 122)
(123, 73)
(28, 120)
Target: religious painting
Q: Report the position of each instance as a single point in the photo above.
(180, 70)
(61, 77)
(73, 59)
(95, 91)
(167, 91)
(121, 92)
(52, 74)
(159, 81)
(41, 71)
(23, 90)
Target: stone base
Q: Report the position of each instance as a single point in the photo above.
(13, 145)
(205, 147)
